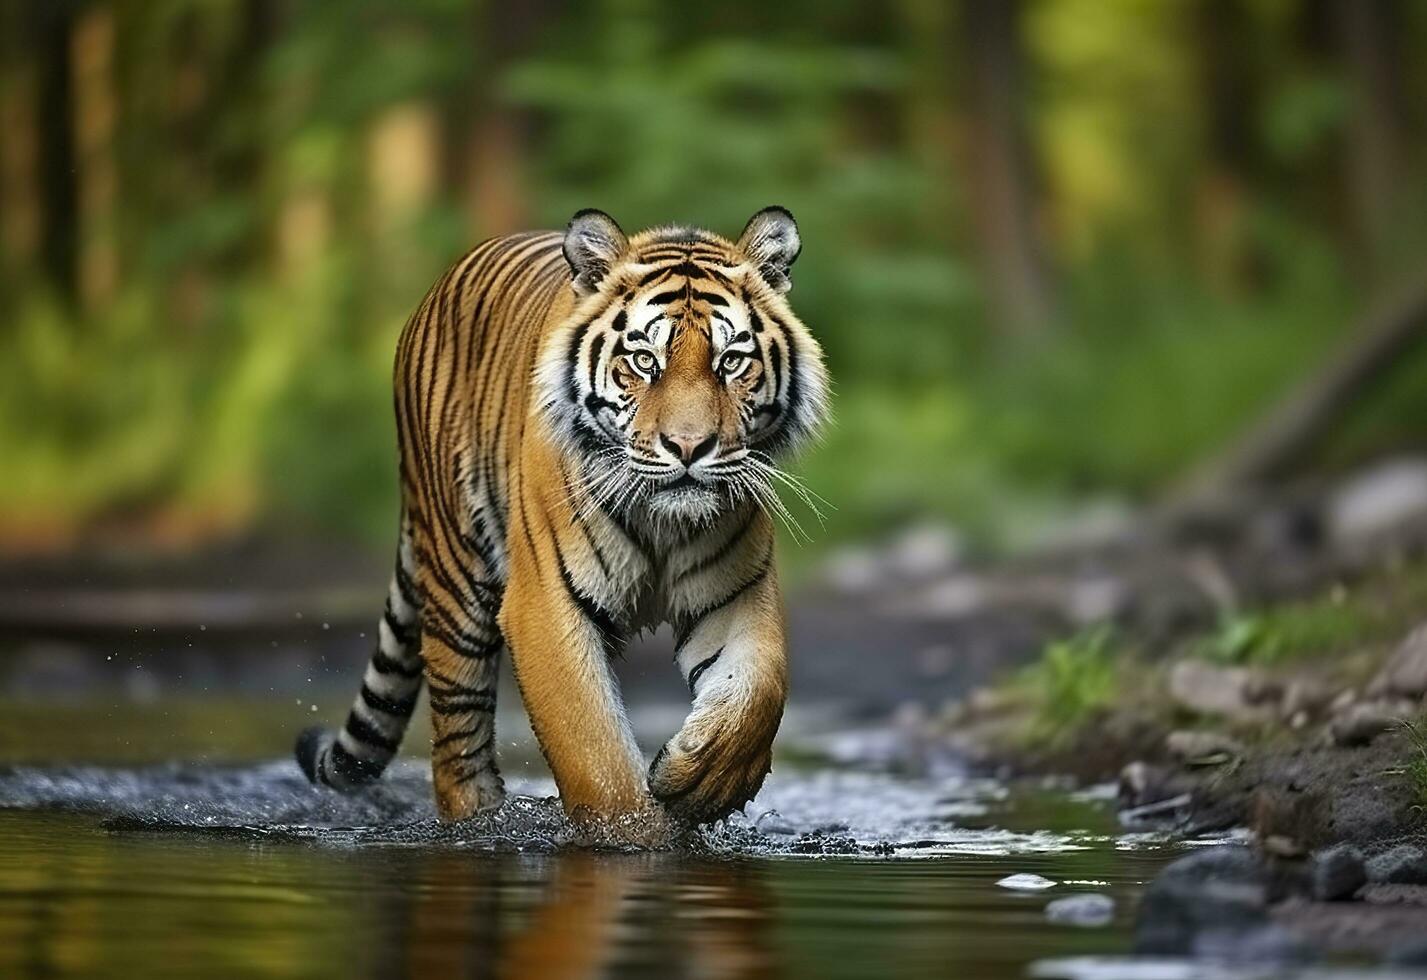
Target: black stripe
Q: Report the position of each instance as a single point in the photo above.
(366, 733)
(723, 550)
(611, 636)
(479, 701)
(383, 664)
(702, 666)
(667, 297)
(692, 622)
(454, 736)
(713, 299)
(401, 708)
(401, 632)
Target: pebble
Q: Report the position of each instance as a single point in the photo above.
(1405, 673)
(1403, 865)
(1338, 873)
(1026, 883)
(1361, 723)
(1208, 689)
(1086, 911)
(1190, 746)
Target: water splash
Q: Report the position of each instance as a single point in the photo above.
(819, 813)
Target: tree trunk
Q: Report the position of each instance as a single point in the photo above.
(1286, 434)
(50, 27)
(20, 215)
(1372, 56)
(1001, 172)
(92, 69)
(493, 164)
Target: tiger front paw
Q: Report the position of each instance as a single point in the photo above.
(700, 780)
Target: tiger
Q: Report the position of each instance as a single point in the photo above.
(588, 428)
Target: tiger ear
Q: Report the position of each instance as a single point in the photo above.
(771, 242)
(593, 243)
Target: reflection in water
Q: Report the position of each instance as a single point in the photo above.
(79, 903)
(185, 869)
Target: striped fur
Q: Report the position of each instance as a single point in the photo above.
(587, 427)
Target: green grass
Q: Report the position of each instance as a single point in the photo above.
(1416, 768)
(1288, 633)
(1073, 681)
(1376, 611)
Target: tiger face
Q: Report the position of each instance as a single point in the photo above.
(682, 374)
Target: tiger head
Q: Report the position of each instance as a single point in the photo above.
(682, 374)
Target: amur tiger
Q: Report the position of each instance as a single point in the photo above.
(587, 427)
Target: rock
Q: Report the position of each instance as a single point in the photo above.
(1220, 891)
(1263, 690)
(1086, 911)
(1338, 873)
(1403, 865)
(923, 551)
(1190, 746)
(855, 571)
(1378, 501)
(1304, 697)
(1344, 700)
(1260, 945)
(1144, 785)
(1411, 953)
(1207, 689)
(1026, 883)
(1360, 723)
(1405, 673)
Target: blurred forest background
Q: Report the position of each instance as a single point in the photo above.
(1057, 250)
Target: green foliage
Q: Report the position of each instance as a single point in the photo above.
(218, 381)
(1072, 682)
(1378, 610)
(1288, 633)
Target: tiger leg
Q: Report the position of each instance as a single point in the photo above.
(735, 661)
(365, 744)
(461, 646)
(561, 662)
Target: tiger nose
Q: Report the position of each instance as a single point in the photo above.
(690, 448)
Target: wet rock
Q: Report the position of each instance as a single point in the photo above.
(1086, 911)
(1405, 673)
(1207, 689)
(1403, 865)
(1411, 953)
(1259, 945)
(1221, 892)
(1360, 723)
(1192, 746)
(1338, 873)
(1378, 500)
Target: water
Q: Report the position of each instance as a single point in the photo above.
(245, 870)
